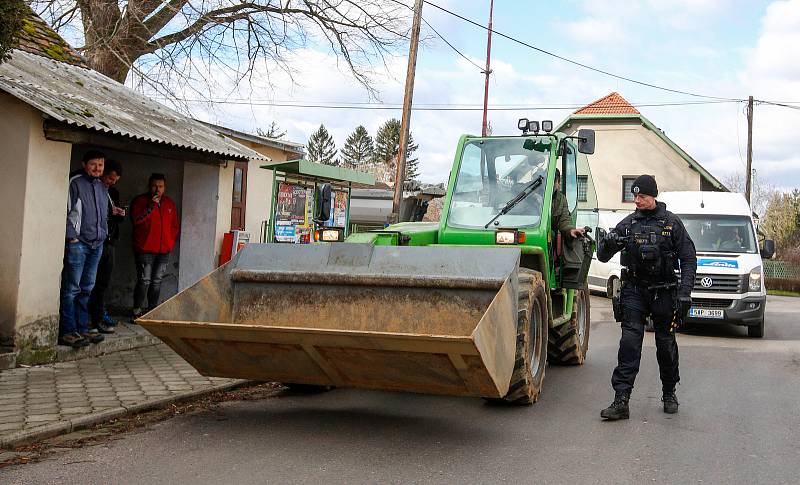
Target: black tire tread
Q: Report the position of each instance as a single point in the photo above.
(525, 388)
(563, 347)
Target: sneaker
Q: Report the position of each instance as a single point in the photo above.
(618, 409)
(137, 312)
(103, 327)
(108, 321)
(93, 336)
(73, 340)
(670, 402)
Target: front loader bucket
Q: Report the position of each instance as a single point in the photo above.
(439, 320)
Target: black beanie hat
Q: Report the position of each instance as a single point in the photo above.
(645, 185)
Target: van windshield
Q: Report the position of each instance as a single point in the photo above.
(722, 234)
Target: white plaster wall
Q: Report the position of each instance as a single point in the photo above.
(259, 198)
(33, 174)
(628, 148)
(224, 204)
(45, 225)
(14, 134)
(199, 224)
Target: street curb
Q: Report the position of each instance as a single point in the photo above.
(54, 429)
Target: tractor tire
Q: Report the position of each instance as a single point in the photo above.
(531, 352)
(568, 343)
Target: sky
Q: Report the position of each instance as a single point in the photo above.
(722, 48)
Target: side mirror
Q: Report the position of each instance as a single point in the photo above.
(768, 249)
(586, 141)
(322, 208)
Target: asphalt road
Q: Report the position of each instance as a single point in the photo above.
(739, 422)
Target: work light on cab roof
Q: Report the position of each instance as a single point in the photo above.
(534, 126)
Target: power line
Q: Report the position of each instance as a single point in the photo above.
(580, 64)
(783, 105)
(451, 45)
(364, 107)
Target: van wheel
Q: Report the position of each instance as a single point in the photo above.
(531, 352)
(756, 331)
(610, 287)
(569, 342)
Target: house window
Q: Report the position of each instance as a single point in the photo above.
(627, 183)
(583, 182)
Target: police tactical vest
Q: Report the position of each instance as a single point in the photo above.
(649, 254)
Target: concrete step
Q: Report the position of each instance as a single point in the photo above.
(127, 336)
(8, 358)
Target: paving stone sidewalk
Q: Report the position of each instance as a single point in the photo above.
(42, 401)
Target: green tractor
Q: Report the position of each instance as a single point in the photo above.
(474, 305)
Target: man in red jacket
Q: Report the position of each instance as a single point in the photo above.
(155, 229)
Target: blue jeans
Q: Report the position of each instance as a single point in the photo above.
(150, 269)
(77, 281)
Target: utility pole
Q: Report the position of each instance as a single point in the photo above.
(402, 152)
(749, 148)
(485, 130)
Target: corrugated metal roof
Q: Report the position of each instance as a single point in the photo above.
(329, 172)
(88, 99)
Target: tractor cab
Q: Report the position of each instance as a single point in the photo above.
(502, 191)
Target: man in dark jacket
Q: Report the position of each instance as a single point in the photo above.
(559, 212)
(155, 230)
(87, 228)
(116, 214)
(654, 243)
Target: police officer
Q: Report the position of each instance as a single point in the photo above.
(654, 243)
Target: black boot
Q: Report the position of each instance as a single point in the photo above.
(618, 408)
(670, 402)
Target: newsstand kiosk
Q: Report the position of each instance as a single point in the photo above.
(310, 202)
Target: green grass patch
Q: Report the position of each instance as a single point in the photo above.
(782, 293)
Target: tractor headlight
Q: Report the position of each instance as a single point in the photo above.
(509, 236)
(755, 279)
(329, 234)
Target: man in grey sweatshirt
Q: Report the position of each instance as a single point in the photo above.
(87, 228)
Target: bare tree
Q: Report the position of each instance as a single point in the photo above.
(762, 191)
(274, 131)
(173, 42)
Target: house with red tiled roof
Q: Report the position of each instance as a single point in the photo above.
(628, 145)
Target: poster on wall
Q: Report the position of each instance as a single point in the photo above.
(338, 216)
(284, 231)
(292, 213)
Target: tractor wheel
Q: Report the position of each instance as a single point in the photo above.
(570, 342)
(531, 354)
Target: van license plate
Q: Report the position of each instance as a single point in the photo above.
(704, 313)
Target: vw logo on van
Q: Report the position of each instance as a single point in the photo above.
(706, 282)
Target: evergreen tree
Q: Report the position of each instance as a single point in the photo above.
(387, 145)
(358, 149)
(321, 147)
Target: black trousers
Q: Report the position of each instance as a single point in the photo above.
(102, 280)
(638, 302)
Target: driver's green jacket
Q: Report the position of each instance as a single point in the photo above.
(560, 214)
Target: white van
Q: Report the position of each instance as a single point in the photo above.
(602, 275)
(729, 286)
